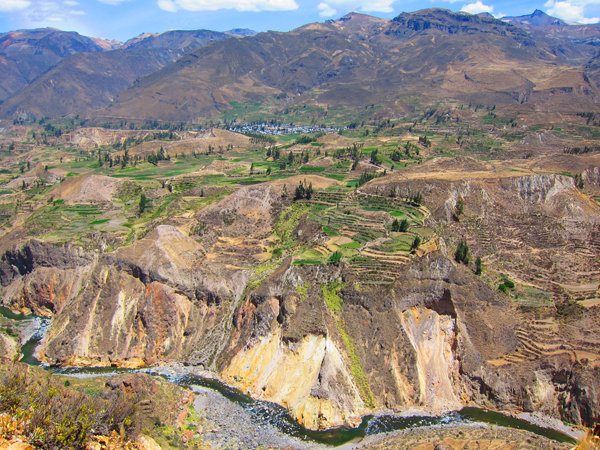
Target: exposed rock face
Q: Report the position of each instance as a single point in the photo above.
(313, 338)
(114, 309)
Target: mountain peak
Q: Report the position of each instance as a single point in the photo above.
(537, 19)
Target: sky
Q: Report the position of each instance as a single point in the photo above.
(125, 19)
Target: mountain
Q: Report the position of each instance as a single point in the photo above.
(428, 54)
(89, 81)
(346, 64)
(25, 54)
(84, 82)
(536, 19)
(183, 41)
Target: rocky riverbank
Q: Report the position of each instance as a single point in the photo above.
(481, 437)
(229, 425)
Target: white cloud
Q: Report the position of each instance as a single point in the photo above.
(167, 5)
(326, 10)
(113, 2)
(13, 5)
(477, 7)
(212, 5)
(37, 12)
(364, 5)
(572, 10)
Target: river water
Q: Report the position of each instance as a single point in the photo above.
(276, 415)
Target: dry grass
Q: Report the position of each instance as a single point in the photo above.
(51, 416)
(588, 442)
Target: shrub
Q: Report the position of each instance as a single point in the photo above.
(335, 257)
(502, 288)
(478, 266)
(416, 243)
(52, 416)
(462, 253)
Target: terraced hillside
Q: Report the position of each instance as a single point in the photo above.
(334, 272)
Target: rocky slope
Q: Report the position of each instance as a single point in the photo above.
(325, 341)
(431, 53)
(26, 54)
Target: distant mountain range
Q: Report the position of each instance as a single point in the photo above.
(354, 62)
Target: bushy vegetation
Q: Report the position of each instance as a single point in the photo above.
(462, 254)
(51, 416)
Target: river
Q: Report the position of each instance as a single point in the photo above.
(277, 416)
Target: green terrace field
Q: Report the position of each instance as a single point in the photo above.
(374, 252)
(175, 185)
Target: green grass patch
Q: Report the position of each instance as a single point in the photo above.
(333, 301)
(330, 232)
(306, 261)
(99, 222)
(351, 245)
(336, 177)
(303, 290)
(335, 304)
(312, 169)
(287, 223)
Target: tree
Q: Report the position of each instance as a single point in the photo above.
(299, 194)
(478, 266)
(355, 164)
(335, 257)
(374, 158)
(291, 158)
(22, 168)
(403, 227)
(268, 170)
(416, 199)
(460, 207)
(415, 244)
(143, 203)
(462, 253)
(309, 191)
(252, 168)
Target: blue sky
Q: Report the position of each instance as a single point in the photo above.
(124, 19)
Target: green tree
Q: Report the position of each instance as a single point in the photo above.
(403, 228)
(416, 199)
(462, 253)
(299, 194)
(268, 170)
(415, 244)
(335, 257)
(374, 158)
(478, 266)
(460, 207)
(143, 203)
